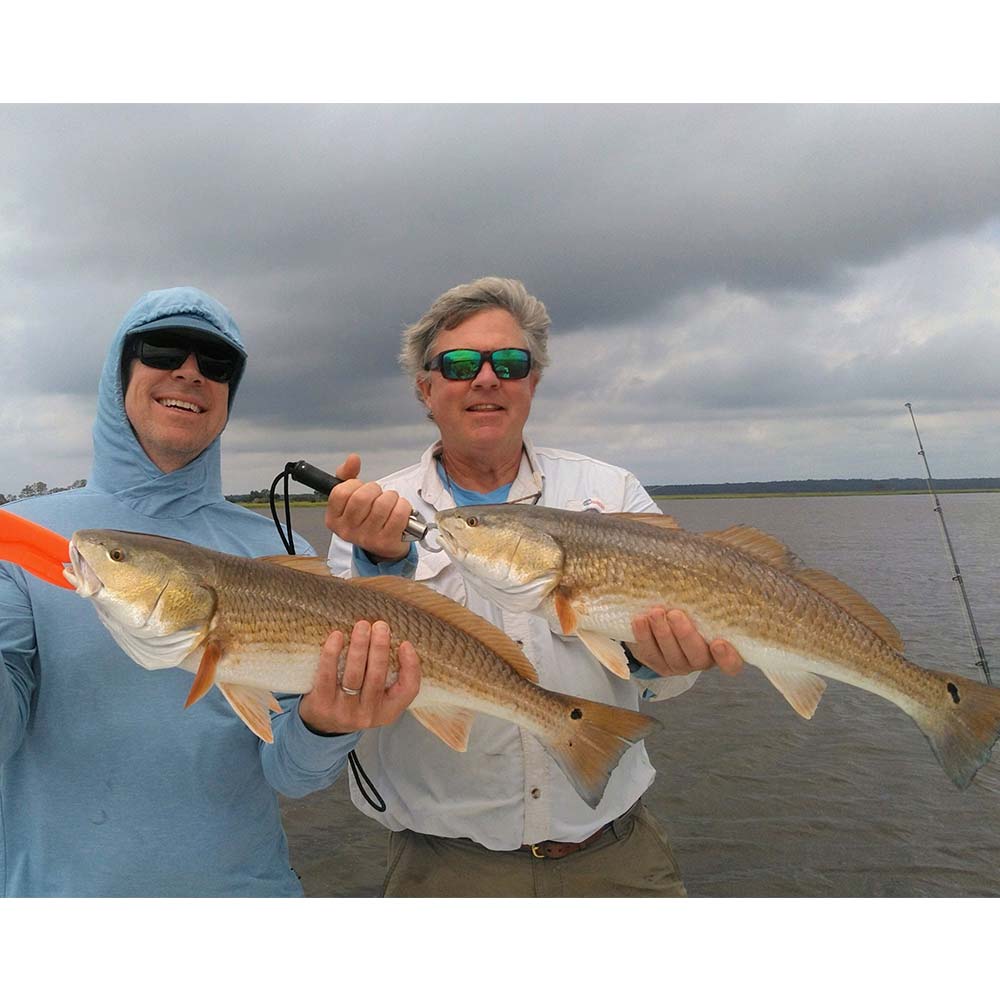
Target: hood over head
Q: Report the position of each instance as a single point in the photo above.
(120, 465)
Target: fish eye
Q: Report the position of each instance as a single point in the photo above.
(472, 521)
(116, 555)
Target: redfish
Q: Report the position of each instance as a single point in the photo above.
(255, 626)
(589, 574)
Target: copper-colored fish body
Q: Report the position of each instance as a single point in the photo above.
(589, 574)
(255, 626)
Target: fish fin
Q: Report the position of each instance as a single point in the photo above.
(962, 723)
(304, 564)
(38, 550)
(772, 550)
(758, 543)
(251, 705)
(853, 603)
(447, 723)
(801, 689)
(421, 596)
(656, 520)
(205, 677)
(608, 651)
(564, 609)
(591, 740)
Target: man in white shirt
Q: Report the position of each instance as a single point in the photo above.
(501, 819)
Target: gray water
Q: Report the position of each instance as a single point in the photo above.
(756, 800)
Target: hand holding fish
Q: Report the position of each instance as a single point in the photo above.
(331, 707)
(667, 642)
(366, 515)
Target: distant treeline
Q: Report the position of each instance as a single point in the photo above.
(711, 489)
(262, 496)
(40, 490)
(827, 486)
(684, 489)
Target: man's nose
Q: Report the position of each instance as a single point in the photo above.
(486, 375)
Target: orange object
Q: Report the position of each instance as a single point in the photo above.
(34, 548)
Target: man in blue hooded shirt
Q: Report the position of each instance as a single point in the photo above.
(107, 786)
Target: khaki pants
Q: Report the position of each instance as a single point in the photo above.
(632, 858)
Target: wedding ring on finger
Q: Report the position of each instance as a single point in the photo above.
(351, 691)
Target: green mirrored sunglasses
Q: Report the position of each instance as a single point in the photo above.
(463, 364)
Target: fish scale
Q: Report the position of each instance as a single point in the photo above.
(785, 611)
(255, 626)
(260, 610)
(590, 574)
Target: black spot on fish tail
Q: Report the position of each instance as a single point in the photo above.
(576, 714)
(953, 691)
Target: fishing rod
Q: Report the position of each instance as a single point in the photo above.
(981, 662)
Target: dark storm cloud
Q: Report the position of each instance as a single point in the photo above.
(326, 229)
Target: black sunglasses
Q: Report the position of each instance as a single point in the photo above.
(463, 364)
(168, 351)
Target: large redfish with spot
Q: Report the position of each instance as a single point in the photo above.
(255, 626)
(590, 574)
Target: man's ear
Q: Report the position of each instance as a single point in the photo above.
(424, 389)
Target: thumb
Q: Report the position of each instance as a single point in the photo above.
(350, 468)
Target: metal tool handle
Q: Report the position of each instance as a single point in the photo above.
(323, 482)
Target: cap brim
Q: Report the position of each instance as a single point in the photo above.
(193, 326)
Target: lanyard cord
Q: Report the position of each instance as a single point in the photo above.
(287, 540)
(360, 776)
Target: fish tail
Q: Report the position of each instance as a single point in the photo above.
(961, 722)
(591, 740)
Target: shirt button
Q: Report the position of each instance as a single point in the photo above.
(536, 793)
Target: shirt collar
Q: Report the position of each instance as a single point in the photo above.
(528, 482)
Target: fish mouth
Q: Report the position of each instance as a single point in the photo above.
(451, 544)
(81, 576)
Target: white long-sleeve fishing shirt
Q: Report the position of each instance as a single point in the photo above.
(505, 790)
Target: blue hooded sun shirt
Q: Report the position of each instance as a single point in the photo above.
(108, 786)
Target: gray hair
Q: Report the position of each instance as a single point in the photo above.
(463, 301)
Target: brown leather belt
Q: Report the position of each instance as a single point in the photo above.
(560, 848)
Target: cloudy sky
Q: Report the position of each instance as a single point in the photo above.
(737, 292)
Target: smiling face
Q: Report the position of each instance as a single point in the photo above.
(484, 417)
(176, 414)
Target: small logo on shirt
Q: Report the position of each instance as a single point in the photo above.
(594, 504)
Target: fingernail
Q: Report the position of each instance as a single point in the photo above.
(380, 629)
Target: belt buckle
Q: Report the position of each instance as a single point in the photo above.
(536, 852)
